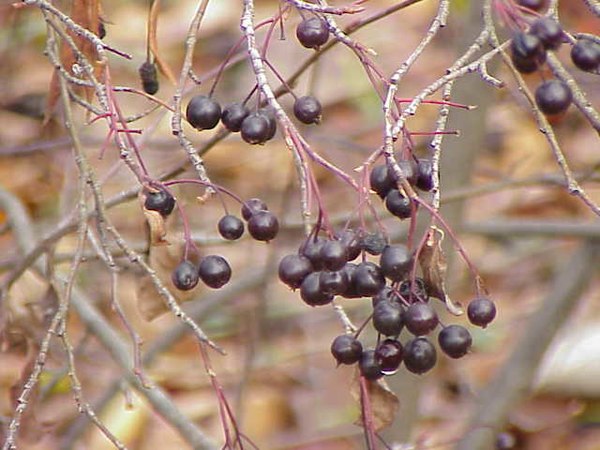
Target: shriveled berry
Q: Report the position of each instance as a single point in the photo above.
(420, 318)
(351, 239)
(333, 254)
(381, 180)
(311, 292)
(293, 269)
(368, 365)
(585, 54)
(481, 311)
(416, 291)
(368, 279)
(419, 355)
(214, 270)
(373, 243)
(396, 261)
(548, 31)
(388, 318)
(233, 115)
(185, 276)
(252, 206)
(230, 227)
(455, 341)
(161, 201)
(425, 175)
(387, 294)
(203, 113)
(553, 97)
(398, 205)
(346, 349)
(334, 282)
(149, 77)
(255, 129)
(388, 355)
(312, 32)
(263, 226)
(307, 109)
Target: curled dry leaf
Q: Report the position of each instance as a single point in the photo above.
(434, 266)
(384, 402)
(158, 228)
(153, 43)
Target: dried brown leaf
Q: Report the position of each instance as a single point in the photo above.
(158, 228)
(384, 403)
(153, 43)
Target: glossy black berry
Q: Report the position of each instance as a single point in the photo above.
(312, 32)
(585, 54)
(368, 279)
(381, 180)
(387, 318)
(548, 31)
(203, 113)
(185, 276)
(252, 206)
(419, 355)
(388, 355)
(396, 262)
(351, 239)
(346, 349)
(455, 341)
(214, 270)
(311, 292)
(293, 269)
(311, 248)
(263, 226)
(413, 291)
(230, 227)
(161, 201)
(368, 366)
(481, 311)
(527, 52)
(553, 97)
(424, 175)
(373, 243)
(334, 282)
(233, 115)
(307, 109)
(351, 291)
(333, 255)
(255, 129)
(269, 114)
(149, 77)
(535, 5)
(398, 205)
(420, 318)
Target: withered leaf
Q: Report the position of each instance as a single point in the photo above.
(384, 403)
(158, 229)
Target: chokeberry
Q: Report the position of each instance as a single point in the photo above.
(334, 282)
(553, 97)
(387, 294)
(368, 279)
(255, 129)
(351, 291)
(252, 206)
(420, 318)
(311, 292)
(373, 243)
(233, 115)
(333, 254)
(396, 261)
(307, 109)
(263, 226)
(214, 270)
(398, 205)
(419, 355)
(388, 354)
(455, 341)
(269, 114)
(203, 113)
(185, 276)
(293, 269)
(230, 227)
(161, 201)
(312, 32)
(149, 77)
(388, 318)
(311, 248)
(381, 180)
(351, 239)
(416, 291)
(481, 311)
(346, 349)
(585, 54)
(424, 175)
(535, 5)
(368, 365)
(527, 52)
(548, 31)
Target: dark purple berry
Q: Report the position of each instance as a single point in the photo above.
(553, 97)
(455, 341)
(419, 355)
(311, 292)
(252, 206)
(368, 366)
(481, 311)
(203, 113)
(425, 175)
(420, 319)
(416, 291)
(312, 32)
(185, 276)
(161, 201)
(548, 31)
(396, 261)
(214, 270)
(101, 30)
(368, 279)
(335, 283)
(535, 5)
(255, 129)
(293, 269)
(230, 227)
(388, 354)
(527, 52)
(263, 226)
(307, 109)
(268, 114)
(149, 77)
(373, 243)
(351, 291)
(346, 349)
(351, 239)
(333, 255)
(311, 248)
(388, 318)
(398, 205)
(233, 115)
(387, 294)
(585, 54)
(381, 180)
